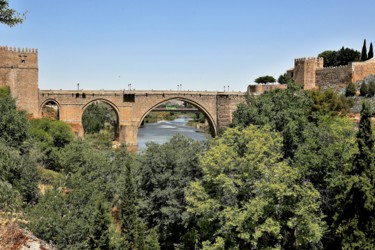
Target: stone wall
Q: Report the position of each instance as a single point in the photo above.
(19, 71)
(333, 77)
(305, 71)
(363, 69)
(261, 88)
(226, 105)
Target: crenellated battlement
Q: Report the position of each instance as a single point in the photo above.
(303, 59)
(310, 71)
(19, 50)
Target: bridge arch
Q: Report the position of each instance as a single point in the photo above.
(109, 103)
(210, 119)
(45, 102)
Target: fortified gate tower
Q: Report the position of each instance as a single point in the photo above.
(19, 72)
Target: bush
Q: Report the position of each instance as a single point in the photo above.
(371, 89)
(364, 89)
(350, 90)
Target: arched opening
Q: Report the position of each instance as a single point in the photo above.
(50, 109)
(175, 116)
(100, 119)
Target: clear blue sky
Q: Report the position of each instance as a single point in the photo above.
(201, 44)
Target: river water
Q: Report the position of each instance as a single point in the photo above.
(162, 131)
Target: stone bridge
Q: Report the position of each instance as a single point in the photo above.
(132, 107)
(19, 72)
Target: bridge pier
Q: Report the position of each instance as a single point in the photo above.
(128, 135)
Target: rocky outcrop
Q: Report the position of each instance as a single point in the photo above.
(13, 237)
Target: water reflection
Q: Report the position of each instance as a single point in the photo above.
(163, 131)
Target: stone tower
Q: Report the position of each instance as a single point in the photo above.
(305, 71)
(19, 71)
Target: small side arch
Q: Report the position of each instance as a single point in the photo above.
(211, 121)
(45, 102)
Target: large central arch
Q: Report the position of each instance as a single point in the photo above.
(109, 103)
(210, 119)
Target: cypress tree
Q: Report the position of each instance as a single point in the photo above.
(355, 223)
(99, 231)
(371, 52)
(350, 90)
(364, 51)
(128, 208)
(364, 89)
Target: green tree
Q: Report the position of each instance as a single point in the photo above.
(346, 55)
(328, 102)
(283, 79)
(364, 51)
(99, 230)
(64, 214)
(364, 89)
(164, 172)
(351, 90)
(286, 111)
(355, 221)
(340, 57)
(265, 79)
(128, 208)
(249, 198)
(330, 58)
(51, 136)
(14, 126)
(370, 53)
(96, 116)
(323, 157)
(9, 16)
(371, 89)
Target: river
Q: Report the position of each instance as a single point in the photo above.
(162, 131)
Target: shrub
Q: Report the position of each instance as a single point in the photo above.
(364, 89)
(350, 90)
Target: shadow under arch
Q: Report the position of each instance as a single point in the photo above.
(45, 102)
(211, 122)
(112, 105)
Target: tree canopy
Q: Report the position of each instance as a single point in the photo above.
(265, 79)
(249, 198)
(9, 16)
(340, 57)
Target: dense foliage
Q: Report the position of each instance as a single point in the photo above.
(9, 16)
(293, 172)
(249, 198)
(350, 90)
(364, 90)
(340, 57)
(96, 116)
(164, 172)
(283, 79)
(265, 79)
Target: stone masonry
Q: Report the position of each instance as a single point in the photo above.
(19, 72)
(311, 73)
